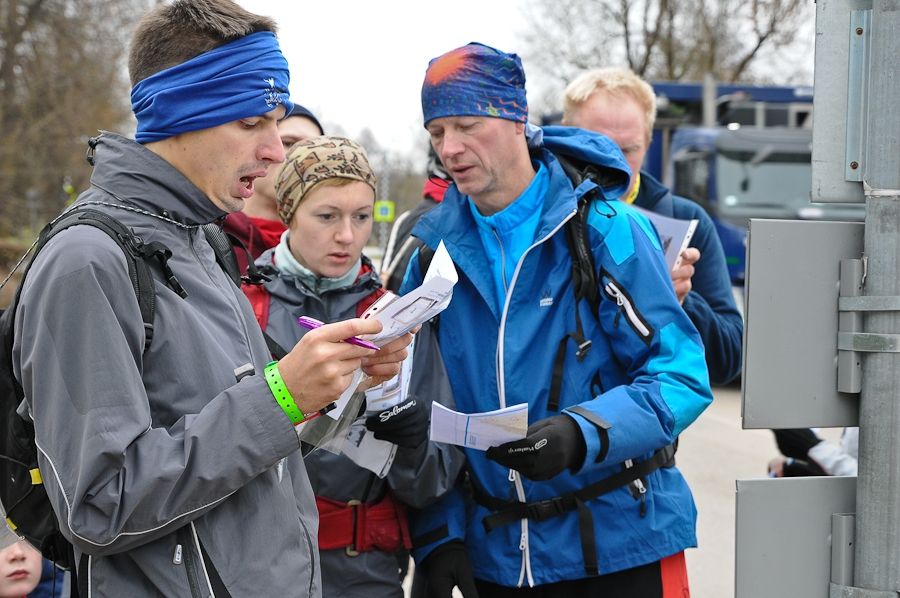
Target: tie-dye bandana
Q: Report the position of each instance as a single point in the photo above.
(313, 160)
(475, 80)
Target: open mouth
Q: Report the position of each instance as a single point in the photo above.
(247, 186)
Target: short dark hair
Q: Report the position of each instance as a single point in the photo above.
(174, 33)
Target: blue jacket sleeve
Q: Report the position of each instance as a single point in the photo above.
(666, 384)
(444, 520)
(711, 307)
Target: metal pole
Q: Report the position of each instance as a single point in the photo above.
(877, 554)
(709, 100)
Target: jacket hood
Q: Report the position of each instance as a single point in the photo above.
(591, 148)
(137, 176)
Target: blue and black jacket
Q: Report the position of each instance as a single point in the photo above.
(641, 384)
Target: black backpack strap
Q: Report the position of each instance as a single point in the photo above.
(584, 278)
(224, 251)
(426, 254)
(128, 242)
(222, 246)
(506, 512)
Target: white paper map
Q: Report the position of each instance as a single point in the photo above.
(674, 234)
(479, 430)
(400, 314)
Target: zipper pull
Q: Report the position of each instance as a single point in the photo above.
(522, 540)
(176, 558)
(512, 475)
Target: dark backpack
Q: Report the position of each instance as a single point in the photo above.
(22, 493)
(28, 509)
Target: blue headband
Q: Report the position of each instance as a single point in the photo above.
(241, 79)
(475, 80)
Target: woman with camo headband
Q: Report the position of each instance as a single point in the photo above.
(325, 194)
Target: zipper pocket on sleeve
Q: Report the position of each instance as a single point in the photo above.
(617, 293)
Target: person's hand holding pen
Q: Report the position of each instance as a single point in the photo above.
(320, 366)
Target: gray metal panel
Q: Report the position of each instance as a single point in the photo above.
(790, 336)
(783, 535)
(829, 159)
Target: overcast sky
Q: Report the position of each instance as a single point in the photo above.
(359, 63)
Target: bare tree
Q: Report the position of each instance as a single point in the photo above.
(62, 77)
(665, 39)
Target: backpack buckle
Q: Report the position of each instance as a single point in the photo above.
(584, 348)
(546, 509)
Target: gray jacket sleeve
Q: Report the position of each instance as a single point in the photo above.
(421, 475)
(123, 467)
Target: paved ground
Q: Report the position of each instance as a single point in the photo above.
(712, 454)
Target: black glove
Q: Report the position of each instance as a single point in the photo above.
(448, 567)
(796, 443)
(552, 445)
(405, 424)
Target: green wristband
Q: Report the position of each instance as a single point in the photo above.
(282, 394)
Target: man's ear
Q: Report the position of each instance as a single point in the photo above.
(520, 128)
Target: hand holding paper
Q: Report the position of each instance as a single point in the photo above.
(478, 430)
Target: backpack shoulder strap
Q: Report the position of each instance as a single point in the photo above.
(584, 276)
(224, 250)
(128, 242)
(426, 254)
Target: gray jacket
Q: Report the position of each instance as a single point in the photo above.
(160, 465)
(417, 477)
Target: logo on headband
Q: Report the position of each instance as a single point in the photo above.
(273, 96)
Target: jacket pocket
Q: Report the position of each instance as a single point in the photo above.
(618, 293)
(187, 554)
(313, 551)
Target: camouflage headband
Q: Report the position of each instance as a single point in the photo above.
(317, 159)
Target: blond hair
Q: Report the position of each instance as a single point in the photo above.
(617, 82)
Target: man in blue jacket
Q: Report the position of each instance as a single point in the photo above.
(589, 503)
(619, 104)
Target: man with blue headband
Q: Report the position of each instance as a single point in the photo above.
(589, 503)
(169, 449)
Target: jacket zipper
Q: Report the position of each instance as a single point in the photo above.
(202, 562)
(635, 320)
(638, 490)
(184, 554)
(312, 557)
(502, 261)
(525, 572)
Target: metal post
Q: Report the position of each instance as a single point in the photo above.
(877, 555)
(709, 100)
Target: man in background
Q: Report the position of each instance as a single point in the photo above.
(622, 106)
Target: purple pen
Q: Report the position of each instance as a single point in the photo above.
(313, 323)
